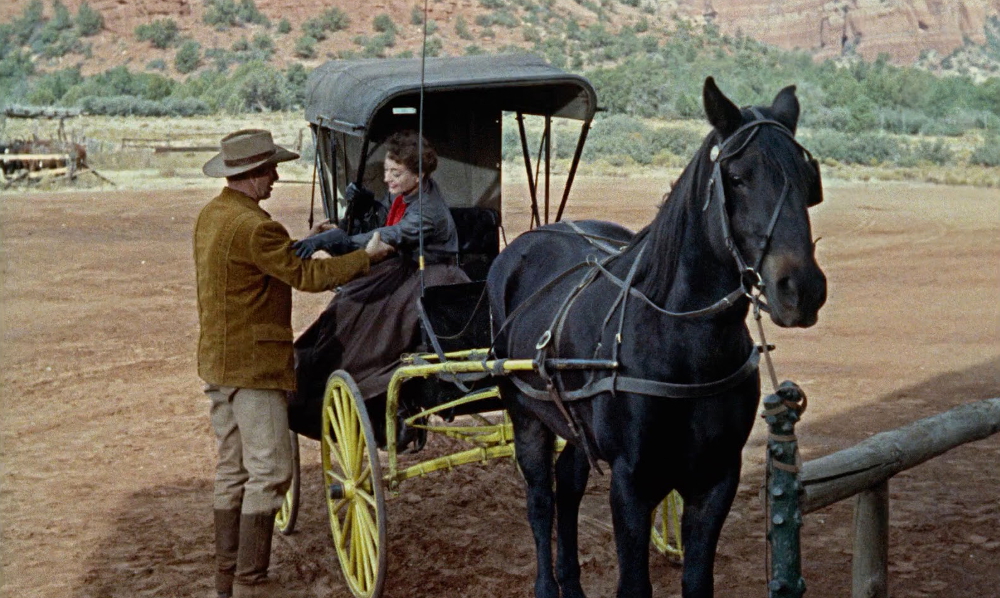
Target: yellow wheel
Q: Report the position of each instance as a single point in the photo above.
(666, 536)
(284, 521)
(355, 495)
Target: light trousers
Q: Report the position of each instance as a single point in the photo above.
(254, 469)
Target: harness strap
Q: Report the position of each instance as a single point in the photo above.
(651, 388)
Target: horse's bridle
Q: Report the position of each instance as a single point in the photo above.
(749, 275)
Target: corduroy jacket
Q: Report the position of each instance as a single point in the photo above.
(245, 270)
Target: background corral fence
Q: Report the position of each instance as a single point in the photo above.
(863, 471)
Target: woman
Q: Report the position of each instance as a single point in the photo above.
(371, 321)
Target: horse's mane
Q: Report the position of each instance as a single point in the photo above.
(665, 233)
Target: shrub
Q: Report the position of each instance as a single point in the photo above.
(263, 43)
(416, 16)
(495, 4)
(865, 148)
(296, 76)
(284, 26)
(88, 21)
(434, 46)
(240, 45)
(335, 19)
(61, 18)
(161, 33)
(248, 13)
(462, 28)
(188, 57)
(383, 24)
(473, 50)
(987, 154)
(314, 28)
(157, 64)
(305, 46)
(935, 152)
(31, 19)
(221, 14)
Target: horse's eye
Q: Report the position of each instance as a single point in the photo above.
(736, 180)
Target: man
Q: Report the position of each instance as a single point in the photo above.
(246, 269)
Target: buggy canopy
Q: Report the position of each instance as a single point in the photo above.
(348, 95)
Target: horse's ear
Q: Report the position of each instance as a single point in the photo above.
(785, 108)
(722, 113)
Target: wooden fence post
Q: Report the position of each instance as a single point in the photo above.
(870, 566)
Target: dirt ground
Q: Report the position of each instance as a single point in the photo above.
(108, 454)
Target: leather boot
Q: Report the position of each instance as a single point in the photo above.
(253, 559)
(227, 540)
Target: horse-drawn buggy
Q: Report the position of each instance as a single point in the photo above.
(580, 339)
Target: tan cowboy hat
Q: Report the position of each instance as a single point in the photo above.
(245, 150)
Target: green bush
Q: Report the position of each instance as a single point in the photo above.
(934, 152)
(124, 105)
(987, 154)
(284, 26)
(416, 16)
(88, 21)
(335, 19)
(869, 148)
(296, 76)
(383, 23)
(221, 14)
(314, 29)
(376, 46)
(61, 18)
(161, 33)
(50, 88)
(494, 4)
(462, 28)
(500, 17)
(248, 13)
(188, 57)
(157, 64)
(263, 43)
(434, 46)
(305, 46)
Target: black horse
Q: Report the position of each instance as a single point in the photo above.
(668, 307)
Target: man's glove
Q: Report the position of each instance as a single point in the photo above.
(334, 241)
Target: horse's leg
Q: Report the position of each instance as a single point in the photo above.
(704, 514)
(572, 471)
(533, 445)
(631, 514)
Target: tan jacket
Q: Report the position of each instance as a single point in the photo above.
(246, 270)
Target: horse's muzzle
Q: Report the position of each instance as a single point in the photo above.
(795, 290)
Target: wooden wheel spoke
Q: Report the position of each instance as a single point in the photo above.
(365, 496)
(334, 476)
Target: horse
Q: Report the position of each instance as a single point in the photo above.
(674, 387)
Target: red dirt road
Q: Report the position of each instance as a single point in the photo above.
(108, 455)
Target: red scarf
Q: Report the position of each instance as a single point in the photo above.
(396, 211)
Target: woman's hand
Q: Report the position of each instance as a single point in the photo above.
(321, 227)
(377, 249)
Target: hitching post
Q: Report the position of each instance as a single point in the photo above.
(781, 411)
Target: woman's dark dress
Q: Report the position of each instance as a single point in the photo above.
(373, 320)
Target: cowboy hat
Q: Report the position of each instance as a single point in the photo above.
(245, 150)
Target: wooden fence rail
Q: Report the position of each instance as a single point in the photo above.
(864, 471)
